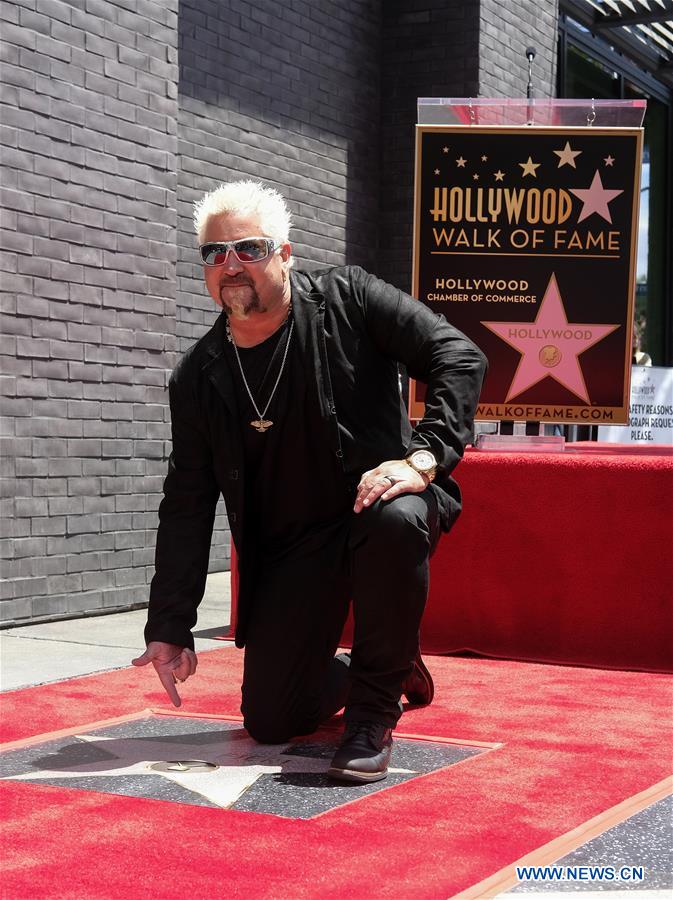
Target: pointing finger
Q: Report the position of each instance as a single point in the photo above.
(166, 678)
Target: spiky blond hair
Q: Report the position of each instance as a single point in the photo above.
(245, 198)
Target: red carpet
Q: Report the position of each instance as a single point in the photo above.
(576, 742)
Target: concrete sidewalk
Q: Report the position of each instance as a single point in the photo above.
(55, 651)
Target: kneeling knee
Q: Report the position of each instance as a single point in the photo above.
(268, 732)
(399, 521)
(276, 730)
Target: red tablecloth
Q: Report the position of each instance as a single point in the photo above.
(557, 557)
(564, 557)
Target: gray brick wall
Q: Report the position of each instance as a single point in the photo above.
(288, 94)
(87, 242)
(105, 146)
(429, 50)
(506, 30)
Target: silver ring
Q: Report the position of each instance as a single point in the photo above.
(390, 478)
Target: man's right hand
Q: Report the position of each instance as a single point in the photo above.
(172, 664)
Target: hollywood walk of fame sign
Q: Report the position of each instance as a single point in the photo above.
(525, 239)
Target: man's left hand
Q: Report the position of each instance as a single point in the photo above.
(388, 480)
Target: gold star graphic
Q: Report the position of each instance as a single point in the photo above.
(499, 175)
(460, 162)
(475, 177)
(566, 157)
(484, 159)
(445, 149)
(609, 160)
(436, 171)
(529, 168)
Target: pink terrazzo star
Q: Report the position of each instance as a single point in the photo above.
(550, 345)
(595, 199)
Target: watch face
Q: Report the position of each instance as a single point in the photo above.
(423, 460)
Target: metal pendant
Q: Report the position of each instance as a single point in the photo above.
(261, 424)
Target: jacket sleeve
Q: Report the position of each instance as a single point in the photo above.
(434, 352)
(186, 517)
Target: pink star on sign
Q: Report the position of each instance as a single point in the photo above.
(550, 345)
(595, 199)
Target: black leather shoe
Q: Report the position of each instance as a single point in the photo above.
(363, 754)
(418, 686)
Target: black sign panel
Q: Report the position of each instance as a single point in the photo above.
(525, 239)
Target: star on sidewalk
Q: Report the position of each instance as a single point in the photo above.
(239, 759)
(549, 346)
(609, 160)
(566, 157)
(460, 162)
(499, 175)
(529, 167)
(595, 199)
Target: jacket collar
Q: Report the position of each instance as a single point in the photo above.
(215, 364)
(307, 304)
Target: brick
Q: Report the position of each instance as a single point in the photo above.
(65, 506)
(83, 562)
(26, 468)
(98, 505)
(15, 34)
(94, 428)
(82, 524)
(28, 507)
(32, 347)
(98, 580)
(15, 610)
(55, 290)
(53, 605)
(48, 525)
(48, 328)
(102, 467)
(71, 583)
(90, 602)
(67, 546)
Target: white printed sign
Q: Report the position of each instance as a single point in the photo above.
(650, 409)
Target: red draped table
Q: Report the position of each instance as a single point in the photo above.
(557, 557)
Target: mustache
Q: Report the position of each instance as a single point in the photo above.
(228, 281)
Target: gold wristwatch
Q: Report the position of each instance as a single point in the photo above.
(424, 463)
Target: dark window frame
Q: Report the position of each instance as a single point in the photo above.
(596, 46)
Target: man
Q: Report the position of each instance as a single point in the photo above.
(290, 407)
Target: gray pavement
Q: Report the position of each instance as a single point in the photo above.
(55, 651)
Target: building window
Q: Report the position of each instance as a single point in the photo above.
(590, 67)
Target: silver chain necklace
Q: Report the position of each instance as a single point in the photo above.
(260, 423)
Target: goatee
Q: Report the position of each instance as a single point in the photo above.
(242, 309)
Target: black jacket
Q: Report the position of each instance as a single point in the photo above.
(352, 329)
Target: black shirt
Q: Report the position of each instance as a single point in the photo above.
(297, 496)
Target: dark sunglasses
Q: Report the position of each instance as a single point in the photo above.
(246, 250)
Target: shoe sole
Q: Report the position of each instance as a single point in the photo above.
(351, 775)
(416, 699)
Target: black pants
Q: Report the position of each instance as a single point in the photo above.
(378, 560)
